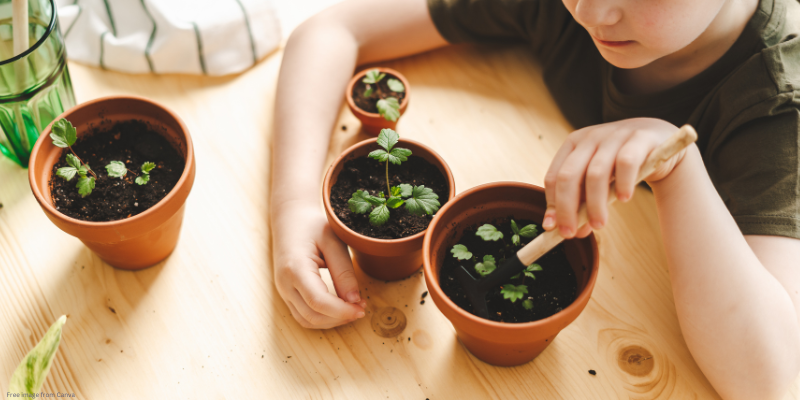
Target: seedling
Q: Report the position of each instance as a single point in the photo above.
(514, 293)
(372, 77)
(388, 108)
(528, 231)
(146, 168)
(64, 135)
(418, 200)
(487, 266)
(489, 232)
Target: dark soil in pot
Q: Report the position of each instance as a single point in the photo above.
(554, 288)
(380, 91)
(131, 142)
(368, 174)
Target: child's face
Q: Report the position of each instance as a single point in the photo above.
(634, 33)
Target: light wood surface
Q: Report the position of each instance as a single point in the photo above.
(208, 323)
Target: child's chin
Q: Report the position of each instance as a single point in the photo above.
(624, 61)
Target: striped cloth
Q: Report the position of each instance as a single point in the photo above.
(208, 37)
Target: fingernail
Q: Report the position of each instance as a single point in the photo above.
(565, 232)
(363, 304)
(548, 222)
(596, 224)
(353, 297)
(360, 314)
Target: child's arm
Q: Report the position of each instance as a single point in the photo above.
(736, 296)
(318, 61)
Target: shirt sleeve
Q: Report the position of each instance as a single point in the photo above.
(757, 173)
(534, 21)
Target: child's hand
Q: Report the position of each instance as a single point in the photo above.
(590, 159)
(303, 244)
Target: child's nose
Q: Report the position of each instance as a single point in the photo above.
(594, 13)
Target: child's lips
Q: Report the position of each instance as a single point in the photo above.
(613, 43)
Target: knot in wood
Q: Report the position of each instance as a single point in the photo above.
(636, 360)
(388, 322)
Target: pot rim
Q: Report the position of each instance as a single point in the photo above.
(43, 141)
(356, 77)
(582, 298)
(326, 191)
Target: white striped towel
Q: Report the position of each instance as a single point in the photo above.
(208, 37)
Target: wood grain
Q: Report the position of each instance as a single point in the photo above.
(208, 323)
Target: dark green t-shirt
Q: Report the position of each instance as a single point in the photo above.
(745, 107)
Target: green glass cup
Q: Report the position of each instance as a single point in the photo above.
(34, 86)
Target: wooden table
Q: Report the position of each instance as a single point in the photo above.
(208, 323)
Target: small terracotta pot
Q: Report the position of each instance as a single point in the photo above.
(144, 239)
(372, 123)
(383, 259)
(498, 343)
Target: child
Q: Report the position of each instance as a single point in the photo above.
(627, 74)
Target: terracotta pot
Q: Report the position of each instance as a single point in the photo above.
(383, 259)
(498, 343)
(139, 241)
(372, 123)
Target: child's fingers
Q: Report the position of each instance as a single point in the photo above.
(550, 179)
(315, 295)
(308, 318)
(629, 160)
(569, 183)
(337, 259)
(583, 231)
(598, 178)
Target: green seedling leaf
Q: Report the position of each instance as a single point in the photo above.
(63, 133)
(514, 293)
(405, 189)
(515, 237)
(488, 232)
(379, 215)
(528, 231)
(380, 155)
(530, 268)
(387, 139)
(31, 373)
(85, 185)
(460, 252)
(368, 92)
(396, 85)
(388, 108)
(398, 155)
(67, 173)
(394, 202)
(116, 169)
(73, 161)
(515, 276)
(148, 166)
(527, 304)
(84, 169)
(395, 191)
(373, 76)
(142, 180)
(359, 203)
(422, 201)
(487, 266)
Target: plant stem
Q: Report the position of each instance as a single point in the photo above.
(132, 172)
(388, 188)
(82, 163)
